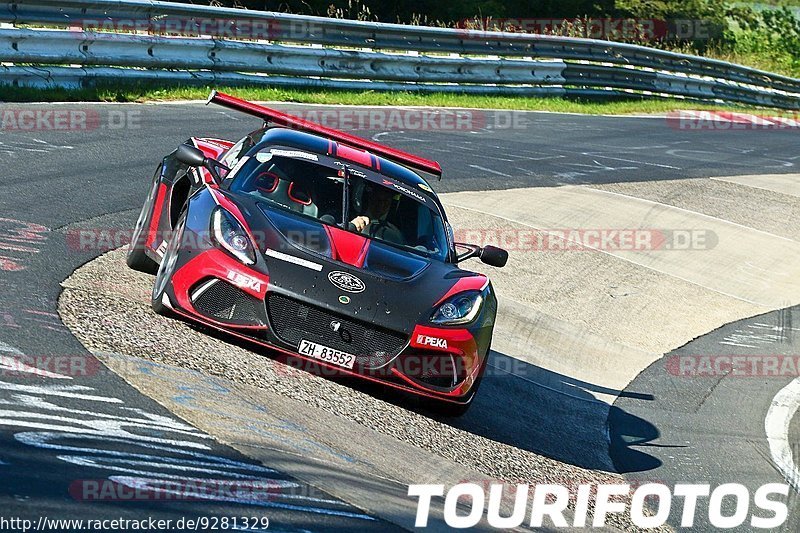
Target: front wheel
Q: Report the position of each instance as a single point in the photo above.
(167, 269)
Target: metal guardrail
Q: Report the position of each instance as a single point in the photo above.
(73, 47)
(308, 51)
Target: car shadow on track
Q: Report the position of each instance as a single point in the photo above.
(538, 410)
(528, 407)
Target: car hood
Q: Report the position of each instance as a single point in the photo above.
(351, 275)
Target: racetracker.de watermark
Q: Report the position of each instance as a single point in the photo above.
(767, 365)
(67, 119)
(510, 239)
(141, 489)
(242, 28)
(725, 121)
(630, 29)
(589, 239)
(265, 28)
(49, 366)
(413, 119)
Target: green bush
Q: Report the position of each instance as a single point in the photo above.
(772, 36)
(768, 39)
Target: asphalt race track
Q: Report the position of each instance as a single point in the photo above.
(587, 383)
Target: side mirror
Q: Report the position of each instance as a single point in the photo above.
(493, 256)
(194, 157)
(189, 155)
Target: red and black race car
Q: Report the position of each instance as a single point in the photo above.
(322, 245)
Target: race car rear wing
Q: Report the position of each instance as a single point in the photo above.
(289, 121)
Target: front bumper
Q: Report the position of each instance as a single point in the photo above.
(214, 289)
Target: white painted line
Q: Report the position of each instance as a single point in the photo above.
(14, 364)
(727, 264)
(490, 171)
(62, 391)
(776, 424)
(695, 213)
(786, 121)
(9, 349)
(601, 156)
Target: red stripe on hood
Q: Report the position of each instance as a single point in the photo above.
(347, 247)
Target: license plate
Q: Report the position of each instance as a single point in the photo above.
(326, 354)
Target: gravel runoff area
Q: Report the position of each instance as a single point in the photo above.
(106, 306)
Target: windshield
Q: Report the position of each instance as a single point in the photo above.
(313, 186)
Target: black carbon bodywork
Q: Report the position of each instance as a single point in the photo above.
(290, 292)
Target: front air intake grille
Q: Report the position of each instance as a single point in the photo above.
(441, 370)
(224, 302)
(293, 320)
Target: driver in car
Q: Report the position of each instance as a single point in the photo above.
(378, 202)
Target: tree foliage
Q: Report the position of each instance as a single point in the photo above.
(768, 38)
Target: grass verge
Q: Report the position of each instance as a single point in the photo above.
(371, 98)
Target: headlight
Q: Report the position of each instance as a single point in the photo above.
(229, 234)
(459, 309)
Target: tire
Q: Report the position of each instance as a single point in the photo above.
(136, 258)
(167, 269)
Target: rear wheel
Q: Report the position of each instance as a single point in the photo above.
(167, 269)
(136, 258)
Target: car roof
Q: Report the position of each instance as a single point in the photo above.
(323, 146)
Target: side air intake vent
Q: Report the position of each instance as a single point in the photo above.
(225, 303)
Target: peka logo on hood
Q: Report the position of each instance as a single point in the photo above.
(346, 282)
